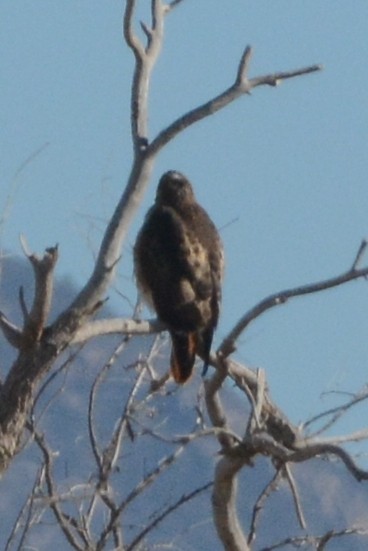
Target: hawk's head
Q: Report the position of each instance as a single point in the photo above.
(174, 189)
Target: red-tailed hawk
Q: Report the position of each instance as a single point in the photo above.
(178, 260)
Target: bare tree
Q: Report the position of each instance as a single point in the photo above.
(267, 432)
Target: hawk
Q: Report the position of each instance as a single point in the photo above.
(178, 259)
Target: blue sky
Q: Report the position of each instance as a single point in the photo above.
(283, 173)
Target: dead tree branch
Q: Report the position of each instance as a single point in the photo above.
(11, 332)
(119, 326)
(271, 435)
(242, 85)
(25, 510)
(228, 344)
(294, 492)
(116, 326)
(66, 523)
(173, 4)
(164, 464)
(224, 505)
(166, 512)
(336, 413)
(259, 505)
(319, 542)
(43, 269)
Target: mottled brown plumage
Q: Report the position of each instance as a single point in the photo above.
(178, 264)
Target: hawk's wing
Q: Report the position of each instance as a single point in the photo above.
(174, 269)
(179, 263)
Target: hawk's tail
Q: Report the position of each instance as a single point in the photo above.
(184, 348)
(206, 343)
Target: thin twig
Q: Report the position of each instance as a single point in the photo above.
(165, 463)
(360, 253)
(303, 451)
(64, 521)
(111, 451)
(259, 505)
(28, 504)
(53, 376)
(11, 332)
(187, 438)
(166, 512)
(319, 542)
(97, 453)
(276, 78)
(171, 5)
(335, 413)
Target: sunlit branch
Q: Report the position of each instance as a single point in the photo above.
(355, 436)
(294, 492)
(130, 37)
(117, 326)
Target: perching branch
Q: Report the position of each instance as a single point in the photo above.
(116, 326)
(122, 326)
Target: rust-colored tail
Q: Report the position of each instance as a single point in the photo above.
(184, 348)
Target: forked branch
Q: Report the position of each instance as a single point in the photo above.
(242, 85)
